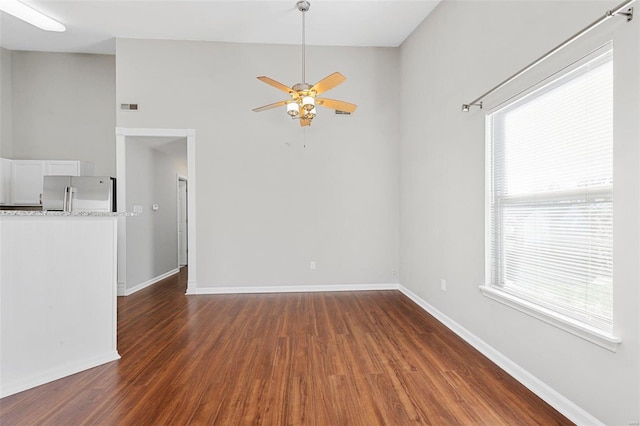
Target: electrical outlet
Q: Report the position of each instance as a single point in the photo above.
(312, 265)
(443, 284)
(394, 274)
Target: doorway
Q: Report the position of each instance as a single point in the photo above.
(125, 136)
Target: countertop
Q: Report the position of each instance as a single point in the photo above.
(63, 214)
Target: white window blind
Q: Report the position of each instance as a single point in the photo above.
(550, 203)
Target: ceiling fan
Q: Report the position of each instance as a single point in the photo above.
(303, 100)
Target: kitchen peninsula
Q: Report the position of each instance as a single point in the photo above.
(58, 274)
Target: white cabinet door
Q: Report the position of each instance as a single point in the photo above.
(26, 181)
(5, 181)
(61, 168)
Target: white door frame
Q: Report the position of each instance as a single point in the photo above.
(122, 133)
(180, 178)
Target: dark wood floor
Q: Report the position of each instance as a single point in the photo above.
(354, 358)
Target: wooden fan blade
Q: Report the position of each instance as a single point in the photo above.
(266, 107)
(328, 83)
(305, 122)
(334, 104)
(276, 84)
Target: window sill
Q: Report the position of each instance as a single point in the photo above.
(592, 334)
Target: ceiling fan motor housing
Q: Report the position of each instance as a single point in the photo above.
(303, 5)
(302, 87)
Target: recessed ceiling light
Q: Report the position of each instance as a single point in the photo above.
(30, 15)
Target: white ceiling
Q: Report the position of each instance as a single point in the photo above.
(93, 25)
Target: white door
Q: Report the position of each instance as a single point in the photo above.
(182, 221)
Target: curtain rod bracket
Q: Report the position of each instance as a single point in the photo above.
(628, 14)
(466, 107)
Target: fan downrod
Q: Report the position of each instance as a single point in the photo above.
(303, 5)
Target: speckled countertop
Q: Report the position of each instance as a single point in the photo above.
(63, 214)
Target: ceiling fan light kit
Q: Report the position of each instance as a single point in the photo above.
(303, 96)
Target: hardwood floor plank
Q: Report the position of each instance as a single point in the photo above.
(388, 399)
(346, 358)
(435, 403)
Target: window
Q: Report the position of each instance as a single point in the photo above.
(550, 196)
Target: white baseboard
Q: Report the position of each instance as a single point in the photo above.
(192, 288)
(152, 281)
(291, 289)
(122, 288)
(552, 397)
(58, 373)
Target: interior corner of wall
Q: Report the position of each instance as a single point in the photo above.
(122, 288)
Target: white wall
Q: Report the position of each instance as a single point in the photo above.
(6, 100)
(152, 242)
(266, 204)
(64, 108)
(139, 241)
(459, 52)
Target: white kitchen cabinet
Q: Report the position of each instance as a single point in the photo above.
(27, 177)
(68, 168)
(5, 181)
(26, 182)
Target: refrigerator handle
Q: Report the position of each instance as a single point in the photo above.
(65, 202)
(71, 191)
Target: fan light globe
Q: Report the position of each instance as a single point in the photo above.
(308, 103)
(293, 109)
